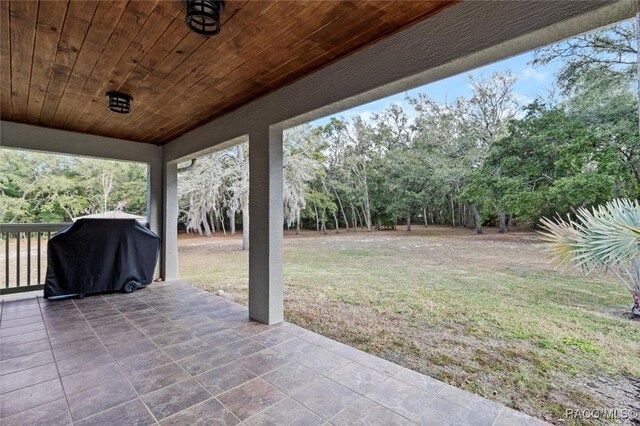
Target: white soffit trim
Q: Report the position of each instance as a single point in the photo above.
(45, 139)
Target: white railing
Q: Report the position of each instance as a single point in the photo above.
(24, 263)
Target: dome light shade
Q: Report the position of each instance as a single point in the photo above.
(119, 102)
(203, 16)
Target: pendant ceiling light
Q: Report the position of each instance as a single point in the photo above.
(203, 16)
(119, 102)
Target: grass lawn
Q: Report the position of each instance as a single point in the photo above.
(487, 313)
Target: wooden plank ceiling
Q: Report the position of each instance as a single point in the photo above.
(59, 58)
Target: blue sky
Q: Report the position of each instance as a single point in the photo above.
(532, 83)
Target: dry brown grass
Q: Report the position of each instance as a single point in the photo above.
(487, 313)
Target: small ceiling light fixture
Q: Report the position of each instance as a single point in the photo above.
(119, 102)
(203, 16)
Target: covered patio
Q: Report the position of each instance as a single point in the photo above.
(174, 354)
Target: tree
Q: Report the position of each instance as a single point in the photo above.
(37, 187)
(319, 207)
(608, 237)
(237, 189)
(200, 190)
(401, 176)
(457, 137)
(407, 183)
(493, 105)
(106, 181)
(446, 148)
(611, 113)
(217, 188)
(350, 142)
(608, 57)
(611, 53)
(561, 156)
(300, 168)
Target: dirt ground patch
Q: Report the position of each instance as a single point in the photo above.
(487, 313)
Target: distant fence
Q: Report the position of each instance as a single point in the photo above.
(25, 246)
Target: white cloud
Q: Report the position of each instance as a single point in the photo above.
(366, 115)
(533, 74)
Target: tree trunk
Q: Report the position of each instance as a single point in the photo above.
(453, 212)
(408, 222)
(68, 212)
(634, 168)
(335, 219)
(213, 218)
(354, 219)
(232, 221)
(510, 222)
(315, 209)
(424, 214)
(244, 204)
(359, 218)
(636, 306)
(502, 219)
(472, 216)
(324, 223)
(465, 216)
(107, 187)
(224, 230)
(245, 228)
(344, 215)
(476, 219)
(205, 224)
(366, 210)
(366, 214)
(298, 222)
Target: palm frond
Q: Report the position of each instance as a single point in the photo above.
(562, 236)
(610, 234)
(607, 236)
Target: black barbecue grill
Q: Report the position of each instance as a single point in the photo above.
(100, 255)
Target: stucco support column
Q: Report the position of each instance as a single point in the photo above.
(155, 195)
(265, 226)
(169, 251)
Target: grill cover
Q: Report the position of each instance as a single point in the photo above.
(94, 255)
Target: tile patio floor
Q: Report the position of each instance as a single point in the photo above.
(171, 354)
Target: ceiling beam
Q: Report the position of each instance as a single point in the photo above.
(461, 38)
(45, 139)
